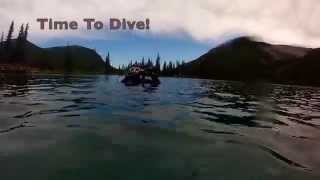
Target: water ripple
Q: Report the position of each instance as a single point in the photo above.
(284, 117)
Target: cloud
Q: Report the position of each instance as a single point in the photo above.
(286, 21)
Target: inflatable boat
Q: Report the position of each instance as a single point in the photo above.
(139, 76)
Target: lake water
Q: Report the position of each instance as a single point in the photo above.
(94, 127)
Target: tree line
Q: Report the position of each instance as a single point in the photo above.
(13, 50)
(167, 68)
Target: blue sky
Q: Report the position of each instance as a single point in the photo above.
(132, 46)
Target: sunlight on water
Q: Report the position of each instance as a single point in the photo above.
(81, 127)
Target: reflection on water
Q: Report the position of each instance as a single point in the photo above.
(81, 127)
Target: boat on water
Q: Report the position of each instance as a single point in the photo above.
(140, 76)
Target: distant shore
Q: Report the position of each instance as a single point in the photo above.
(17, 68)
(28, 69)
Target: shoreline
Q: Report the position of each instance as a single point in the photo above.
(22, 69)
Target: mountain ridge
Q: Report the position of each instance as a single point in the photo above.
(247, 59)
(53, 59)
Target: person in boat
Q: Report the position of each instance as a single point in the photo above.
(137, 75)
(133, 76)
(150, 76)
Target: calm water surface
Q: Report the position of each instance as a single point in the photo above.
(94, 127)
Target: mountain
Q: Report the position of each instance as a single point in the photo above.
(245, 59)
(78, 59)
(83, 59)
(304, 70)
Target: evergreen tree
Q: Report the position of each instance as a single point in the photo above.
(164, 68)
(19, 50)
(9, 37)
(158, 63)
(178, 64)
(21, 33)
(1, 43)
(170, 66)
(149, 63)
(108, 64)
(178, 67)
(25, 34)
(143, 64)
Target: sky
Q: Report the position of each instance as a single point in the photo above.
(179, 29)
